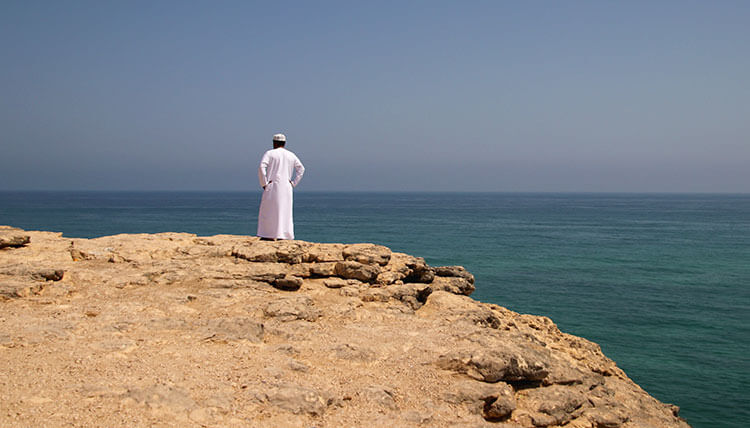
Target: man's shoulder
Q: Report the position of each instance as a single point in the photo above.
(289, 153)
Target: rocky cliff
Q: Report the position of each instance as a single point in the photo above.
(174, 329)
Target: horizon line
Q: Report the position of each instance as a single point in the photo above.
(582, 192)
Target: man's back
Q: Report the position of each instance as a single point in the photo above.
(278, 165)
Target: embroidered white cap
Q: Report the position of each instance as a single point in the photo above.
(279, 137)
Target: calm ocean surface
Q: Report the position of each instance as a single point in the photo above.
(661, 282)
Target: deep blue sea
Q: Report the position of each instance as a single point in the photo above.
(661, 282)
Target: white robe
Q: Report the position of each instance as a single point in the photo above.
(275, 219)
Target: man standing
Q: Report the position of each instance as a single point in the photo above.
(275, 219)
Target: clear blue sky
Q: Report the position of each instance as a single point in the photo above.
(406, 95)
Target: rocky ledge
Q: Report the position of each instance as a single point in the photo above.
(173, 329)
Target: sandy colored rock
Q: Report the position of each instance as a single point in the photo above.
(358, 271)
(288, 283)
(455, 285)
(172, 329)
(13, 238)
(367, 254)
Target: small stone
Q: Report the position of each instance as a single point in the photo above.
(335, 282)
(381, 395)
(49, 274)
(298, 366)
(288, 283)
(297, 399)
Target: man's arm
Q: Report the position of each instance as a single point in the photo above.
(300, 171)
(262, 171)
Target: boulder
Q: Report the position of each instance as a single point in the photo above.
(13, 238)
(419, 271)
(291, 252)
(495, 402)
(367, 254)
(358, 271)
(606, 418)
(508, 362)
(322, 253)
(322, 270)
(499, 407)
(413, 295)
(49, 274)
(453, 284)
(335, 282)
(288, 283)
(296, 399)
(454, 271)
(553, 405)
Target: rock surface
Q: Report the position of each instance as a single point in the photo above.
(173, 329)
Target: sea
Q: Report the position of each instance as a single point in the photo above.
(660, 281)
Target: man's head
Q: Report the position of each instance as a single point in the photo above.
(279, 140)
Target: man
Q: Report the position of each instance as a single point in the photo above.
(275, 174)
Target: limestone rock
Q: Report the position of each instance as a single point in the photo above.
(335, 282)
(173, 329)
(12, 237)
(495, 402)
(14, 289)
(367, 254)
(322, 253)
(375, 295)
(325, 269)
(293, 308)
(288, 283)
(270, 251)
(380, 395)
(510, 363)
(499, 407)
(49, 274)
(455, 285)
(297, 399)
(452, 307)
(454, 271)
(358, 271)
(554, 405)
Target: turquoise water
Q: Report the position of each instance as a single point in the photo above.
(661, 282)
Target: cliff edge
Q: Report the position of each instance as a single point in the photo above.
(173, 329)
